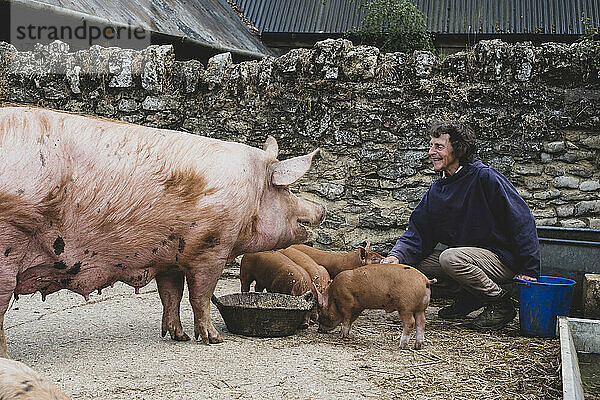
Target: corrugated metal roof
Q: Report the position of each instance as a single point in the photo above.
(509, 16)
(301, 16)
(443, 16)
(206, 21)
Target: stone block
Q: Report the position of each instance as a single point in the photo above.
(324, 238)
(129, 105)
(572, 223)
(331, 191)
(72, 75)
(525, 194)
(594, 223)
(327, 57)
(592, 141)
(587, 207)
(375, 220)
(105, 108)
(545, 158)
(544, 213)
(578, 155)
(424, 62)
(491, 59)
(566, 182)
(565, 211)
(360, 63)
(120, 67)
(554, 147)
(591, 296)
(289, 62)
(524, 59)
(546, 221)
(547, 194)
(409, 194)
(157, 68)
(554, 170)
(589, 186)
(575, 196)
(529, 169)
(580, 170)
(190, 72)
(391, 68)
(160, 103)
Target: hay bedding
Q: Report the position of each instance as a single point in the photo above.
(457, 362)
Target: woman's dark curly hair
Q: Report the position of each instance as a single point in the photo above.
(462, 139)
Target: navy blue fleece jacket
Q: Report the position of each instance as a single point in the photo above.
(476, 207)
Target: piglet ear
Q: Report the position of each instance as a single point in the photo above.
(324, 300)
(271, 147)
(363, 253)
(289, 171)
(321, 299)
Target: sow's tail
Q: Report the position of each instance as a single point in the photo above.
(430, 282)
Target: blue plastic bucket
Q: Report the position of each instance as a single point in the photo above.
(540, 302)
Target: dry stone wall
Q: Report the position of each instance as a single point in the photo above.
(536, 111)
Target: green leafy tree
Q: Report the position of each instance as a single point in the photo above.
(591, 39)
(393, 25)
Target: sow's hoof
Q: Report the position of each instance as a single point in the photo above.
(209, 339)
(217, 339)
(179, 337)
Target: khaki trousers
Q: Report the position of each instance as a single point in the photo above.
(477, 270)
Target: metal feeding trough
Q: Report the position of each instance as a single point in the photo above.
(570, 253)
(263, 314)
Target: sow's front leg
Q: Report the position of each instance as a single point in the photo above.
(170, 289)
(4, 302)
(8, 283)
(3, 352)
(201, 286)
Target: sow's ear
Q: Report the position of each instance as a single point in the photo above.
(289, 171)
(271, 147)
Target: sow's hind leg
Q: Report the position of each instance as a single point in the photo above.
(170, 289)
(201, 286)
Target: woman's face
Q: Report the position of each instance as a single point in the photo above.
(441, 154)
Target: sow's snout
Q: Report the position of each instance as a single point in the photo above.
(311, 213)
(315, 216)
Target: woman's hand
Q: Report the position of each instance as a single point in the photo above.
(524, 277)
(390, 260)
